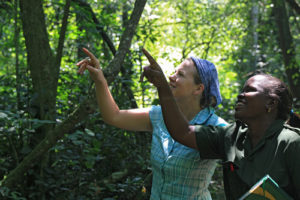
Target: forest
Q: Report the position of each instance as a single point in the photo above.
(53, 141)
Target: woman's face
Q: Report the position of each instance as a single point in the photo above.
(252, 101)
(182, 81)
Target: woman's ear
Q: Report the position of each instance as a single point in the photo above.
(199, 89)
(272, 104)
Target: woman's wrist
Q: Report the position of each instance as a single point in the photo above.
(100, 81)
(164, 91)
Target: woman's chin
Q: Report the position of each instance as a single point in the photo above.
(173, 92)
(237, 114)
(240, 117)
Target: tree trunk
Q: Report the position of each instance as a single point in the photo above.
(254, 17)
(16, 41)
(85, 108)
(287, 47)
(40, 61)
(39, 58)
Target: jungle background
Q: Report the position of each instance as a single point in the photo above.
(53, 142)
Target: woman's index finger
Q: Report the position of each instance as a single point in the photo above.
(87, 52)
(149, 57)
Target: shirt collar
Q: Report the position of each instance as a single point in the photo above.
(203, 116)
(274, 127)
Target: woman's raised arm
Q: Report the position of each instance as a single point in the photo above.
(131, 119)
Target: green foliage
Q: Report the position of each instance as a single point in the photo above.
(80, 164)
(7, 194)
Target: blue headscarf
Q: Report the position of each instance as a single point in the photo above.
(209, 77)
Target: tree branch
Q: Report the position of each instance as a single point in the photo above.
(125, 41)
(294, 5)
(62, 36)
(99, 27)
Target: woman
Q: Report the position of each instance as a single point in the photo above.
(178, 172)
(259, 143)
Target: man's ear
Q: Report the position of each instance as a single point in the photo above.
(199, 89)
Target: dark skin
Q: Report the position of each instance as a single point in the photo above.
(254, 107)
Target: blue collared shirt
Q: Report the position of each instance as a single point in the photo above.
(178, 171)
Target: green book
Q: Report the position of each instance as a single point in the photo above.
(266, 189)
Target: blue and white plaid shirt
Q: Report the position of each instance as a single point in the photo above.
(178, 172)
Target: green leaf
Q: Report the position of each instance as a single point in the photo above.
(89, 132)
(3, 115)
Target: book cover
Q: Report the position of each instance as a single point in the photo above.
(266, 189)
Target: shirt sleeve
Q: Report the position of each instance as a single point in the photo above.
(293, 163)
(155, 114)
(211, 140)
